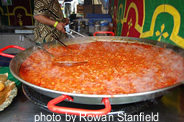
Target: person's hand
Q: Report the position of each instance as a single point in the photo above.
(61, 27)
(66, 21)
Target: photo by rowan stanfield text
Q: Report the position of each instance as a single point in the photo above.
(120, 117)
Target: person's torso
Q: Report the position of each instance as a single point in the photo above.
(52, 10)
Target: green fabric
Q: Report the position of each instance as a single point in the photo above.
(164, 21)
(10, 76)
(120, 14)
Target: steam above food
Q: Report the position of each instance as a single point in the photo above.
(112, 68)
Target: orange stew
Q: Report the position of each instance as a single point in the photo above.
(112, 68)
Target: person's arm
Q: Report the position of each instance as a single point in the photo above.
(45, 20)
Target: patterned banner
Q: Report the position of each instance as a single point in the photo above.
(115, 12)
(119, 19)
(18, 14)
(163, 21)
(153, 19)
(133, 18)
(4, 18)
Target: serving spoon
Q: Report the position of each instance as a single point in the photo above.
(62, 63)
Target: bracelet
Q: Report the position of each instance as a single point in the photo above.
(55, 24)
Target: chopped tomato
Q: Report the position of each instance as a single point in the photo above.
(112, 68)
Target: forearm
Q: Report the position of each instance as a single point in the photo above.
(45, 20)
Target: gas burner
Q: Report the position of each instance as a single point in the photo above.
(42, 100)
